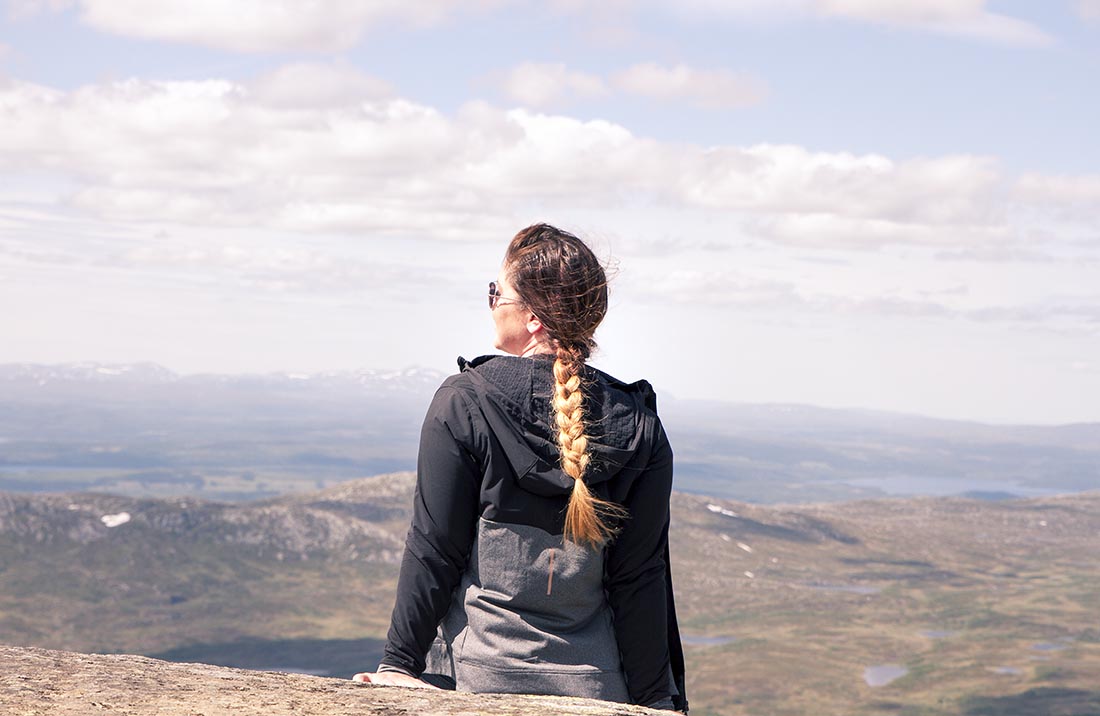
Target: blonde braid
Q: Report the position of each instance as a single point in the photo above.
(584, 518)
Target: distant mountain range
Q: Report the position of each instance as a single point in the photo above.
(17, 374)
(143, 430)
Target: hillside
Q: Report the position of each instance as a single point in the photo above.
(916, 606)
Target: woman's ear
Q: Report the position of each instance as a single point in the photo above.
(534, 325)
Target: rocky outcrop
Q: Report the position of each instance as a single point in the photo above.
(40, 682)
(367, 518)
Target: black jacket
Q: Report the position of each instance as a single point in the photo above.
(478, 577)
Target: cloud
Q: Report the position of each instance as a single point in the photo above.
(37, 241)
(714, 287)
(704, 88)
(995, 254)
(1089, 9)
(964, 18)
(277, 269)
(337, 25)
(249, 25)
(749, 11)
(736, 289)
(542, 85)
(263, 154)
(832, 231)
(308, 84)
(545, 85)
(1086, 312)
(968, 18)
(786, 180)
(217, 153)
(1082, 190)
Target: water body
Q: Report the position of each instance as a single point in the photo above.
(1007, 670)
(698, 640)
(883, 674)
(903, 485)
(850, 588)
(1048, 646)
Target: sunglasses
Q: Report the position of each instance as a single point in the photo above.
(495, 298)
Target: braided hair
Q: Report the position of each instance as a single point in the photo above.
(562, 282)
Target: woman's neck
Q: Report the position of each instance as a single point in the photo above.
(539, 347)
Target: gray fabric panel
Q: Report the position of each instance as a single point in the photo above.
(605, 685)
(506, 634)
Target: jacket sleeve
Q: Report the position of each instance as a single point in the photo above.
(444, 522)
(636, 585)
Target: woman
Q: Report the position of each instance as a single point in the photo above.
(537, 558)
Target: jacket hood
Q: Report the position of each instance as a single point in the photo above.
(515, 396)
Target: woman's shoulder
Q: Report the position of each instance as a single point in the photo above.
(641, 389)
(484, 374)
(477, 365)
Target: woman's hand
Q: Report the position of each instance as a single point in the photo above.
(392, 678)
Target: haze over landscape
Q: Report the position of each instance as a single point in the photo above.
(145, 431)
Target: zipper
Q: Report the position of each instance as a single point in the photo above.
(550, 577)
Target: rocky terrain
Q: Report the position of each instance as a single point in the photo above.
(359, 519)
(926, 606)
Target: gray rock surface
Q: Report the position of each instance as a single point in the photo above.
(41, 682)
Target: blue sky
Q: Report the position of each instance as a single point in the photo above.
(890, 204)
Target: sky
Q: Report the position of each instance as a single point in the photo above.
(882, 204)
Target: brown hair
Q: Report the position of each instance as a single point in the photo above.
(562, 282)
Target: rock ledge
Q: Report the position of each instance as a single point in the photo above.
(37, 682)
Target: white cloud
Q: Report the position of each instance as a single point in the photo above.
(308, 84)
(704, 88)
(214, 153)
(335, 25)
(1086, 312)
(955, 17)
(741, 10)
(786, 180)
(219, 153)
(542, 85)
(714, 287)
(249, 25)
(1089, 9)
(545, 85)
(830, 230)
(994, 254)
(1061, 189)
(744, 292)
(289, 268)
(967, 18)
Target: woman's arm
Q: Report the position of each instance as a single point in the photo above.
(444, 522)
(636, 580)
